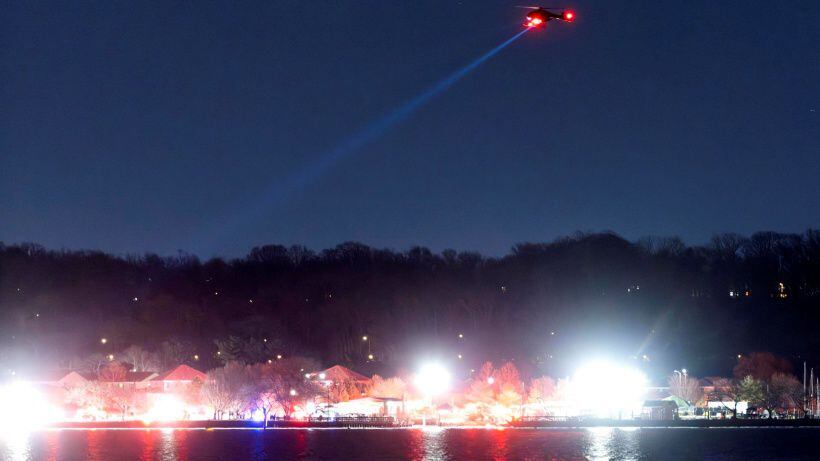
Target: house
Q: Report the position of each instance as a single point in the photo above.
(178, 378)
(341, 383)
(62, 378)
(69, 378)
(659, 410)
(339, 374)
(135, 379)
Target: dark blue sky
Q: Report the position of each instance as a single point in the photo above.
(140, 126)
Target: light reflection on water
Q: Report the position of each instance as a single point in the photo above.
(168, 444)
(598, 442)
(147, 442)
(15, 446)
(608, 443)
(499, 439)
(429, 444)
(434, 446)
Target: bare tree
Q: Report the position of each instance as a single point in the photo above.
(726, 392)
(140, 359)
(174, 352)
(482, 387)
(223, 389)
(283, 384)
(86, 395)
(93, 363)
(686, 387)
(782, 391)
(116, 392)
(391, 387)
(540, 389)
(112, 372)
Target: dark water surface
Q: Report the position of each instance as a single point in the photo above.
(412, 444)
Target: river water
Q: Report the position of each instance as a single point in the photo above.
(412, 444)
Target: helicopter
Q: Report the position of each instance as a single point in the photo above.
(539, 16)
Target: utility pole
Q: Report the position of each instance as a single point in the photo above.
(805, 399)
(811, 390)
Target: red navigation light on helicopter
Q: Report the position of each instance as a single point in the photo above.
(539, 16)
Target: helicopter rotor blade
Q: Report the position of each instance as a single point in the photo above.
(541, 7)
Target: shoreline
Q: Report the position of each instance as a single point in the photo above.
(589, 424)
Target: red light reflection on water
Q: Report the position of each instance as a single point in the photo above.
(52, 442)
(499, 441)
(147, 441)
(176, 443)
(300, 445)
(415, 446)
(95, 446)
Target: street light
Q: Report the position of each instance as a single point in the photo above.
(366, 339)
(103, 340)
(681, 380)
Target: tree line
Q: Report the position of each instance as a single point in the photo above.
(541, 305)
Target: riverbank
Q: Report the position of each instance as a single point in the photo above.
(693, 423)
(356, 423)
(349, 423)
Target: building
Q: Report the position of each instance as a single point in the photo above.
(339, 374)
(177, 379)
(659, 410)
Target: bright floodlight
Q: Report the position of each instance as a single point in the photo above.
(433, 379)
(165, 408)
(608, 390)
(22, 407)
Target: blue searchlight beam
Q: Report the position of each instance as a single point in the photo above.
(351, 145)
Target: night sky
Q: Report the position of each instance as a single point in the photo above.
(157, 126)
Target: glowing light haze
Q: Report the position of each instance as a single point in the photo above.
(608, 389)
(432, 379)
